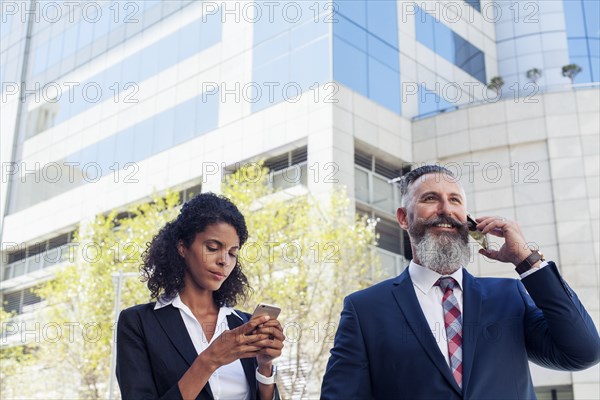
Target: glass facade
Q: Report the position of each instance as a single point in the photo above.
(68, 43)
(294, 54)
(120, 151)
(166, 52)
(449, 45)
(430, 102)
(170, 50)
(582, 20)
(12, 46)
(476, 4)
(66, 36)
(366, 55)
(290, 54)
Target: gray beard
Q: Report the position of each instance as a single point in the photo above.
(443, 254)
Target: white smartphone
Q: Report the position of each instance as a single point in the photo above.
(266, 309)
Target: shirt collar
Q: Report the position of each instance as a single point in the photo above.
(424, 278)
(177, 303)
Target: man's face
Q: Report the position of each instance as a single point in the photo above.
(434, 197)
(435, 217)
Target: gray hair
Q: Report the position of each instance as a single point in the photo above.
(407, 180)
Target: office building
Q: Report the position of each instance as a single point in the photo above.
(104, 103)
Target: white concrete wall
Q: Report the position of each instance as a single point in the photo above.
(537, 162)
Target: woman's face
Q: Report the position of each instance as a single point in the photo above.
(211, 257)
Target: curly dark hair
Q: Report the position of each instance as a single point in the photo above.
(163, 268)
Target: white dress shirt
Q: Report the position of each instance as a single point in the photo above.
(430, 299)
(228, 382)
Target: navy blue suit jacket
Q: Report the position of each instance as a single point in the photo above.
(154, 350)
(384, 348)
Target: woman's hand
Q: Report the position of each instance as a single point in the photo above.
(274, 343)
(268, 353)
(245, 341)
(237, 343)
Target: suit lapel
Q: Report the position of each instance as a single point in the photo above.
(404, 292)
(171, 322)
(471, 312)
(248, 364)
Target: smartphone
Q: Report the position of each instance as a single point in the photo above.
(266, 309)
(475, 234)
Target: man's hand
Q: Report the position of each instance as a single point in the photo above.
(515, 248)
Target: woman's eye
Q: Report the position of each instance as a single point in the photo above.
(211, 248)
(233, 255)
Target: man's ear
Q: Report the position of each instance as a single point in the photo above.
(402, 218)
(181, 248)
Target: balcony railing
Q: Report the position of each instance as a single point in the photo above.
(375, 190)
(392, 264)
(37, 262)
(289, 177)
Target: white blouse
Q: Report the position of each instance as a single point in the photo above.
(228, 382)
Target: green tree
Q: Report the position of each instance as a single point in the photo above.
(81, 299)
(304, 255)
(571, 71)
(13, 358)
(534, 74)
(496, 84)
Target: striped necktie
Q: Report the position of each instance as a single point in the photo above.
(453, 325)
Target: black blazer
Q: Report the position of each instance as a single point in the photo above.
(154, 350)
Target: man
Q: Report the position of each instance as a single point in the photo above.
(437, 332)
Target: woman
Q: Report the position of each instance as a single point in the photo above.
(190, 343)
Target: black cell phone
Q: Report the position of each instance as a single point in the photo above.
(475, 234)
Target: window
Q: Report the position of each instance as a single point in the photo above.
(189, 193)
(26, 259)
(379, 199)
(554, 392)
(430, 102)
(366, 57)
(289, 169)
(393, 246)
(371, 180)
(285, 50)
(118, 152)
(190, 39)
(449, 45)
(475, 4)
(583, 34)
(21, 301)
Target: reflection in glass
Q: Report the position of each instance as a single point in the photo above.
(151, 136)
(384, 85)
(383, 196)
(449, 45)
(476, 4)
(361, 185)
(350, 66)
(289, 58)
(430, 101)
(382, 21)
(193, 38)
(365, 51)
(583, 34)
